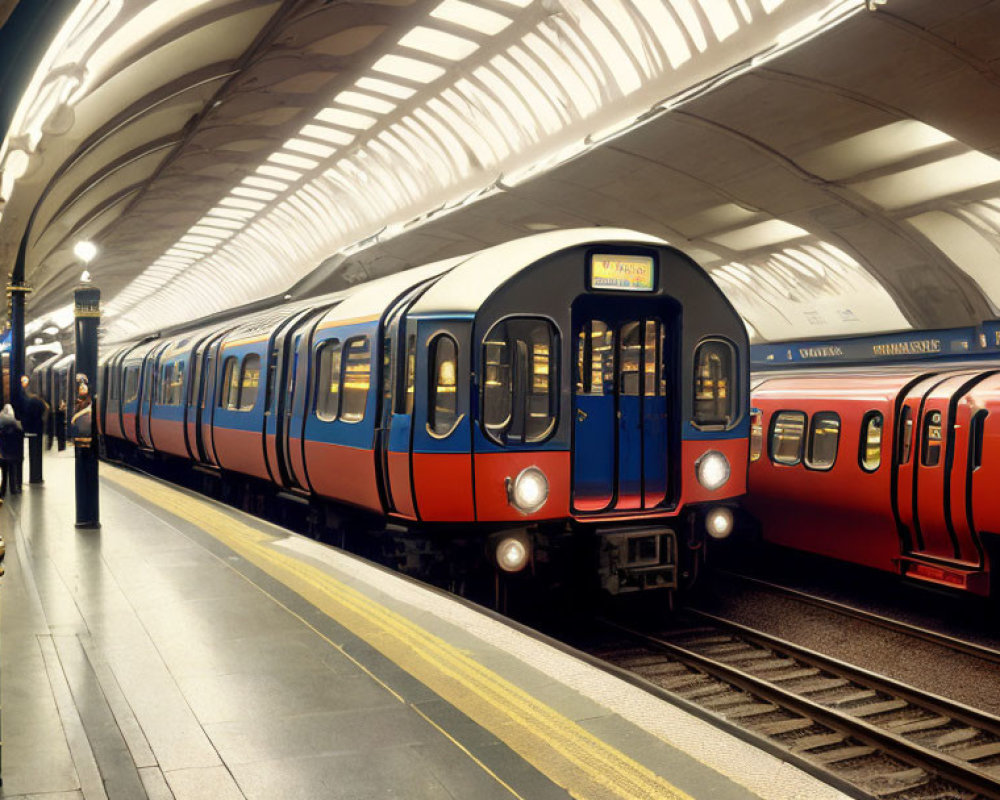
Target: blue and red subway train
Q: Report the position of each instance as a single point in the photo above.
(892, 468)
(574, 387)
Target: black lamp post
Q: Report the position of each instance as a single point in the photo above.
(87, 311)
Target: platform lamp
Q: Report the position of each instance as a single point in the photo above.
(87, 311)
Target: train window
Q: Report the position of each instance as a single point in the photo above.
(976, 438)
(356, 378)
(131, 384)
(520, 394)
(824, 436)
(654, 380)
(595, 359)
(195, 380)
(249, 381)
(930, 455)
(230, 384)
(906, 436)
(442, 406)
(756, 434)
(172, 384)
(629, 359)
(787, 433)
(714, 395)
(871, 441)
(406, 399)
(328, 380)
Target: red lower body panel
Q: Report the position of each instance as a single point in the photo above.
(169, 436)
(442, 483)
(241, 451)
(492, 471)
(399, 483)
(343, 473)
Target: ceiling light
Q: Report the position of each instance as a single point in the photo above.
(310, 148)
(231, 213)
(239, 202)
(279, 172)
(189, 239)
(194, 248)
(292, 161)
(439, 43)
(85, 251)
(386, 87)
(216, 222)
(345, 118)
(265, 183)
(469, 16)
(761, 234)
(331, 135)
(408, 68)
(253, 194)
(365, 102)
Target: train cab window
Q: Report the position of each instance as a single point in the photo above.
(249, 382)
(131, 384)
(328, 380)
(442, 405)
(824, 436)
(595, 359)
(230, 384)
(871, 441)
(714, 395)
(787, 433)
(930, 452)
(520, 392)
(356, 379)
(906, 435)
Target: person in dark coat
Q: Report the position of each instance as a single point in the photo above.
(33, 411)
(61, 425)
(11, 451)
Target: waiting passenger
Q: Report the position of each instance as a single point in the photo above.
(11, 451)
(61, 425)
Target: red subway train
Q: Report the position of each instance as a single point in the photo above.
(892, 468)
(584, 387)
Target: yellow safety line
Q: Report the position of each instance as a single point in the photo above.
(561, 749)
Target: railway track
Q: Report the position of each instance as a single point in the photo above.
(879, 620)
(872, 735)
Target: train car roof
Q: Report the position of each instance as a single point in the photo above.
(471, 282)
(369, 300)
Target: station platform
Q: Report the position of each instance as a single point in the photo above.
(188, 650)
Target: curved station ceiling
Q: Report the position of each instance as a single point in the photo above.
(833, 164)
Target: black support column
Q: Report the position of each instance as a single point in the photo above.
(88, 317)
(18, 294)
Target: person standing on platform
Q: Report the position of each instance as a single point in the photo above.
(33, 411)
(61, 425)
(11, 451)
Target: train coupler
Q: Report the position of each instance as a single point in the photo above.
(637, 559)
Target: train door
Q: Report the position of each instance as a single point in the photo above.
(206, 406)
(299, 378)
(395, 434)
(939, 463)
(620, 443)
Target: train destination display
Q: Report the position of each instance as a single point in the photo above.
(622, 273)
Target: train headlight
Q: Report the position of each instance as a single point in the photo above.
(512, 554)
(719, 522)
(712, 470)
(528, 491)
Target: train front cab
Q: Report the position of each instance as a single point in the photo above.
(580, 403)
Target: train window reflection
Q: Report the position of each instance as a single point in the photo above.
(714, 395)
(230, 384)
(328, 380)
(654, 379)
(931, 450)
(756, 434)
(520, 392)
(787, 433)
(595, 359)
(356, 379)
(824, 436)
(906, 438)
(442, 407)
(131, 384)
(249, 382)
(871, 441)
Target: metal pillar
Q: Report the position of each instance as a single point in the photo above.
(18, 293)
(88, 317)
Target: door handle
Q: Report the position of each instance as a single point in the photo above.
(581, 415)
